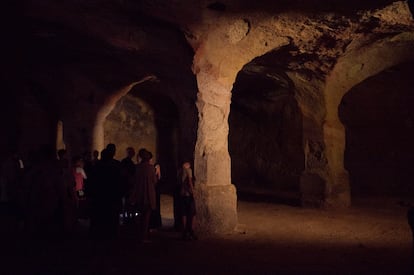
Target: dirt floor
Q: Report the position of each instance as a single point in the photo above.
(373, 237)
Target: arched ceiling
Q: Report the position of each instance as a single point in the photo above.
(114, 43)
(150, 35)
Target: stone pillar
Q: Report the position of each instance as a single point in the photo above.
(221, 49)
(338, 191)
(325, 182)
(216, 198)
(313, 180)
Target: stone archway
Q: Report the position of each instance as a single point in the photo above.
(145, 118)
(218, 58)
(98, 136)
(359, 63)
(131, 124)
(378, 119)
(265, 137)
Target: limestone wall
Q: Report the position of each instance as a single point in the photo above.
(131, 123)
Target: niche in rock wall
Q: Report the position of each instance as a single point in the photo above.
(379, 121)
(265, 137)
(131, 123)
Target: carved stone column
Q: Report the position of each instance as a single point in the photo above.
(313, 180)
(338, 191)
(216, 198)
(325, 182)
(222, 47)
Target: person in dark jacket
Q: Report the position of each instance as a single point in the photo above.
(142, 193)
(105, 194)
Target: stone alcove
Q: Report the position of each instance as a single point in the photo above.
(362, 61)
(378, 119)
(265, 134)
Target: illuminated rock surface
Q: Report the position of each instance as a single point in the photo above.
(262, 80)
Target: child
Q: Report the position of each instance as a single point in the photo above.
(79, 175)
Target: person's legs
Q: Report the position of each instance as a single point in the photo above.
(186, 218)
(146, 215)
(184, 227)
(178, 210)
(190, 227)
(184, 221)
(191, 218)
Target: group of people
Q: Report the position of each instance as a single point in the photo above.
(51, 195)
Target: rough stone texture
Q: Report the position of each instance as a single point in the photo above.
(131, 123)
(312, 190)
(265, 138)
(216, 208)
(80, 54)
(212, 161)
(312, 181)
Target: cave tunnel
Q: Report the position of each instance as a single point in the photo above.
(378, 118)
(265, 136)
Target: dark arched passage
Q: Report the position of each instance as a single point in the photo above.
(379, 124)
(265, 137)
(145, 118)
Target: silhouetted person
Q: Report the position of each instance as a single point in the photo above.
(89, 165)
(128, 171)
(87, 157)
(128, 168)
(69, 199)
(105, 194)
(142, 195)
(87, 162)
(11, 174)
(95, 157)
(44, 183)
(128, 162)
(63, 161)
(155, 221)
(188, 210)
(178, 220)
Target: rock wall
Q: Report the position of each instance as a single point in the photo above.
(131, 123)
(265, 136)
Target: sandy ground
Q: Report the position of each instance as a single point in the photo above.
(372, 237)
